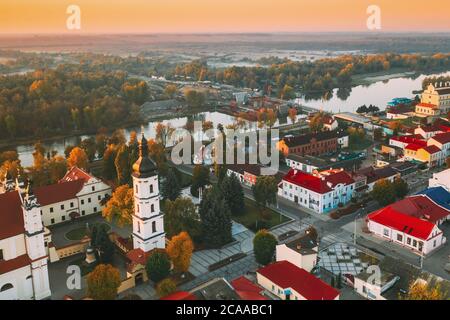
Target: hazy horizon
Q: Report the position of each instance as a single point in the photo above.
(212, 17)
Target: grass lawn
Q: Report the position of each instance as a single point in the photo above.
(80, 232)
(252, 219)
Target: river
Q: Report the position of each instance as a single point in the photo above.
(378, 93)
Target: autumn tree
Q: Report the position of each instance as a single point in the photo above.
(158, 265)
(180, 250)
(421, 290)
(316, 122)
(166, 287)
(170, 90)
(264, 244)
(78, 158)
(163, 133)
(103, 282)
(120, 206)
(292, 112)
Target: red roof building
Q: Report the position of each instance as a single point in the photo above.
(76, 173)
(180, 295)
(323, 182)
(59, 192)
(408, 223)
(290, 282)
(442, 138)
(247, 290)
(11, 223)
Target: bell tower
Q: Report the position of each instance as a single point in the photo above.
(35, 244)
(148, 221)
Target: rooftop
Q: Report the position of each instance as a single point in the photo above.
(247, 290)
(402, 222)
(58, 192)
(304, 245)
(12, 223)
(307, 138)
(288, 276)
(442, 138)
(323, 182)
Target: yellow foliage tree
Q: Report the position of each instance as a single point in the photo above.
(420, 290)
(78, 158)
(121, 206)
(103, 282)
(180, 250)
(166, 287)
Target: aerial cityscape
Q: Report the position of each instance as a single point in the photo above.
(165, 152)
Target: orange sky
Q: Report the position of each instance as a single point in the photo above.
(184, 16)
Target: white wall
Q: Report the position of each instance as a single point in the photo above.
(306, 262)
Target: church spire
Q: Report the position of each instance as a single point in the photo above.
(144, 167)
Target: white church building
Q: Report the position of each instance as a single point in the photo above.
(23, 253)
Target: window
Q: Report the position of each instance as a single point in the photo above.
(99, 197)
(139, 227)
(41, 213)
(63, 218)
(93, 188)
(151, 188)
(386, 232)
(364, 289)
(434, 245)
(46, 244)
(408, 241)
(89, 200)
(71, 204)
(51, 210)
(52, 221)
(83, 212)
(95, 209)
(153, 226)
(152, 208)
(273, 288)
(1, 254)
(6, 287)
(82, 201)
(399, 237)
(62, 207)
(414, 243)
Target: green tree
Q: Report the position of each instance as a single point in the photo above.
(265, 191)
(11, 125)
(383, 192)
(123, 166)
(171, 187)
(200, 179)
(181, 215)
(264, 244)
(103, 245)
(158, 266)
(233, 193)
(109, 167)
(215, 218)
(401, 188)
(89, 147)
(166, 287)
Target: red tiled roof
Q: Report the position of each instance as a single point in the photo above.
(58, 192)
(287, 275)
(180, 295)
(427, 105)
(442, 137)
(410, 139)
(394, 219)
(11, 215)
(444, 128)
(138, 256)
(413, 146)
(13, 264)
(247, 290)
(420, 206)
(315, 183)
(431, 149)
(430, 129)
(76, 173)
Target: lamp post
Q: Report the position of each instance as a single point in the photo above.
(356, 219)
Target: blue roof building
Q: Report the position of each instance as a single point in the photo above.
(438, 195)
